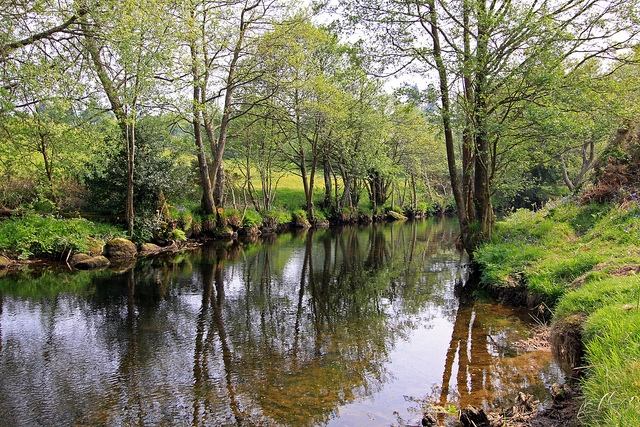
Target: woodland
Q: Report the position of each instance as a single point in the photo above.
(340, 111)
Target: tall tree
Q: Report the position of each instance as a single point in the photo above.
(303, 98)
(481, 55)
(219, 36)
(126, 48)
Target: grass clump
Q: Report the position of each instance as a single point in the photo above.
(251, 218)
(275, 218)
(612, 386)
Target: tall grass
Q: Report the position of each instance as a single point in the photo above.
(612, 386)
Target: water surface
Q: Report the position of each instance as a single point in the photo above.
(354, 326)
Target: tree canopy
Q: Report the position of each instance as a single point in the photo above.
(504, 104)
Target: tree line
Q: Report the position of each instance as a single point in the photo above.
(500, 104)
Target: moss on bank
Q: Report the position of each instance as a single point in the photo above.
(580, 262)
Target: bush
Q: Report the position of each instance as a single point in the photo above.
(320, 215)
(157, 170)
(178, 235)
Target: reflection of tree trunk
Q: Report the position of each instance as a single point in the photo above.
(317, 299)
(378, 250)
(227, 354)
(469, 346)
(459, 337)
(200, 361)
(129, 362)
(303, 276)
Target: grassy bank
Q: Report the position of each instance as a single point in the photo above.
(582, 264)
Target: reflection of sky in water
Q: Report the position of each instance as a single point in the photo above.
(332, 353)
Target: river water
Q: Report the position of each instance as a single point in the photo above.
(354, 326)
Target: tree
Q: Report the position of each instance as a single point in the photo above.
(360, 151)
(32, 36)
(158, 172)
(486, 58)
(217, 35)
(126, 48)
(302, 99)
(47, 146)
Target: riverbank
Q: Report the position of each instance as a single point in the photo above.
(576, 266)
(29, 235)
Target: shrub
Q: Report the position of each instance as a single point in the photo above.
(320, 215)
(178, 235)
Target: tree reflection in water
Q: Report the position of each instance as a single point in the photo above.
(293, 330)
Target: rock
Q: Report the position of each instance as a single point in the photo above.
(95, 246)
(323, 224)
(76, 258)
(301, 221)
(93, 263)
(473, 417)
(4, 262)
(120, 248)
(149, 248)
(396, 216)
(152, 249)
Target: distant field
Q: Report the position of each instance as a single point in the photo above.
(290, 191)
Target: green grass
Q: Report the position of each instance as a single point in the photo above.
(33, 234)
(585, 261)
(612, 386)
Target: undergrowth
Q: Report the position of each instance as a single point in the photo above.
(34, 234)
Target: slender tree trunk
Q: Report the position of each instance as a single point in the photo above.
(328, 190)
(456, 186)
(123, 119)
(482, 194)
(131, 156)
(217, 169)
(48, 168)
(467, 133)
(208, 204)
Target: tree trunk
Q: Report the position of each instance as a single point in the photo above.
(122, 117)
(208, 204)
(482, 193)
(328, 190)
(448, 129)
(131, 156)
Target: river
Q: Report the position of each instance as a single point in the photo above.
(352, 326)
